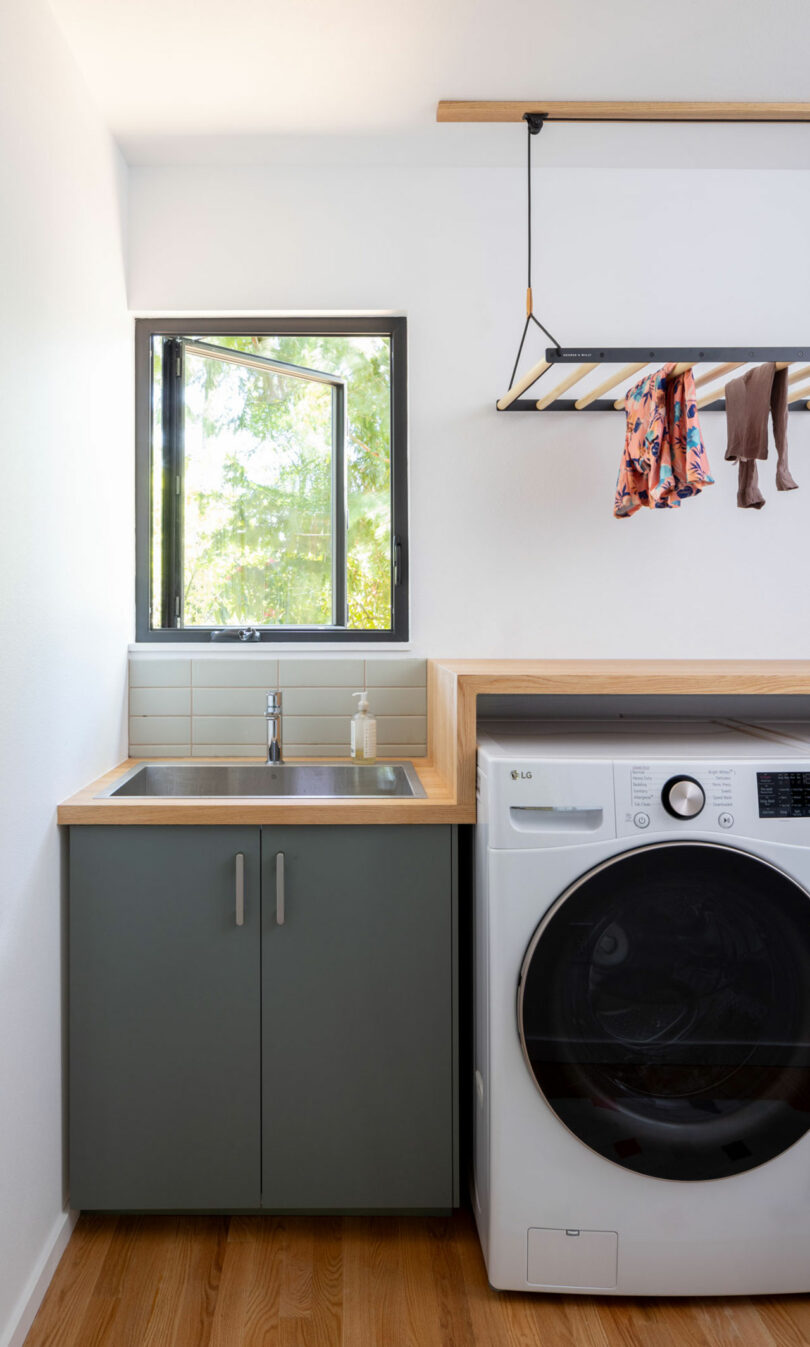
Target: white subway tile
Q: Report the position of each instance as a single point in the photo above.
(247, 672)
(159, 673)
(229, 751)
(401, 730)
(315, 751)
(228, 730)
(319, 702)
(229, 701)
(159, 729)
(160, 701)
(316, 730)
(398, 701)
(160, 751)
(395, 671)
(316, 672)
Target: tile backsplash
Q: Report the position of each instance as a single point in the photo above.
(214, 707)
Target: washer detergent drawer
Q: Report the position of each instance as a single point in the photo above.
(550, 803)
(584, 1260)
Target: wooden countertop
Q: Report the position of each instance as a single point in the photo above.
(455, 685)
(438, 806)
(448, 773)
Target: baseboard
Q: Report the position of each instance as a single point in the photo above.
(25, 1310)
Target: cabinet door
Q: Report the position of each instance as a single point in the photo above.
(164, 1018)
(358, 988)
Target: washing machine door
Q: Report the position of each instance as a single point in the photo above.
(664, 1010)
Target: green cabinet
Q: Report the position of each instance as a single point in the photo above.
(165, 992)
(357, 1018)
(298, 1055)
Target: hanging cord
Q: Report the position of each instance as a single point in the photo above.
(534, 124)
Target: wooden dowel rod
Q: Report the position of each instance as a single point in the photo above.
(528, 379)
(716, 372)
(799, 395)
(677, 369)
(713, 395)
(607, 384)
(573, 378)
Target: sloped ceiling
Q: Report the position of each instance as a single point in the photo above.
(253, 78)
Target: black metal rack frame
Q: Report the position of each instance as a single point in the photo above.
(657, 355)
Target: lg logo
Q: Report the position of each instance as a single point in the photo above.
(521, 776)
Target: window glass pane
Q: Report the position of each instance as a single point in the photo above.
(257, 497)
(157, 482)
(364, 362)
(257, 507)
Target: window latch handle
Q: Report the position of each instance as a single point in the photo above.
(236, 634)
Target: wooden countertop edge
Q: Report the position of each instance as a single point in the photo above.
(454, 686)
(685, 677)
(439, 806)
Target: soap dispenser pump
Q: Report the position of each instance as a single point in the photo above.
(364, 732)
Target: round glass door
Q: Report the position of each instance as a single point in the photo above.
(664, 1010)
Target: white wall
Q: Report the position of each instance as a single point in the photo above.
(66, 589)
(514, 551)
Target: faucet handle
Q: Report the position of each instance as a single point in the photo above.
(274, 701)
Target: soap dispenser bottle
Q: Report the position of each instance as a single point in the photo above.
(364, 732)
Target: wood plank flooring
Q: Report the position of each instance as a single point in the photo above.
(185, 1281)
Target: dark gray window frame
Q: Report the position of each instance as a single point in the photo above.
(173, 328)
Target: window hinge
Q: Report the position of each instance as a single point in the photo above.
(177, 484)
(178, 365)
(177, 606)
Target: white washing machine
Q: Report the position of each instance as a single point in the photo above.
(642, 1019)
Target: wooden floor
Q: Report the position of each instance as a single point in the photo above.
(182, 1281)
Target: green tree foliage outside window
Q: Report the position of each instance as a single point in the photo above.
(257, 484)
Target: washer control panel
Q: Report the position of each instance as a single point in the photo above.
(783, 794)
(672, 797)
(683, 797)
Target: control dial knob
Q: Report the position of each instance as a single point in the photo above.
(683, 797)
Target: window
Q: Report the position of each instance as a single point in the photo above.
(272, 486)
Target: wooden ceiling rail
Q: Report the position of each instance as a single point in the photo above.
(514, 110)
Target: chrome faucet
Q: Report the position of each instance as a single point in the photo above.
(273, 717)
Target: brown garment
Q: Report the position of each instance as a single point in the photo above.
(748, 401)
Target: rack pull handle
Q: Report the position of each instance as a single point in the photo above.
(239, 887)
(279, 888)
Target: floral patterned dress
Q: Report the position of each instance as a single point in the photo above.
(664, 459)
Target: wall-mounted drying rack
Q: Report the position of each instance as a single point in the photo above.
(635, 360)
(723, 360)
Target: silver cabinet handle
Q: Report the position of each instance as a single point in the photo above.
(279, 888)
(239, 886)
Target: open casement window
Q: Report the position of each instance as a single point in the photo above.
(272, 488)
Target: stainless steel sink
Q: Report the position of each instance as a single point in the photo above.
(233, 779)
